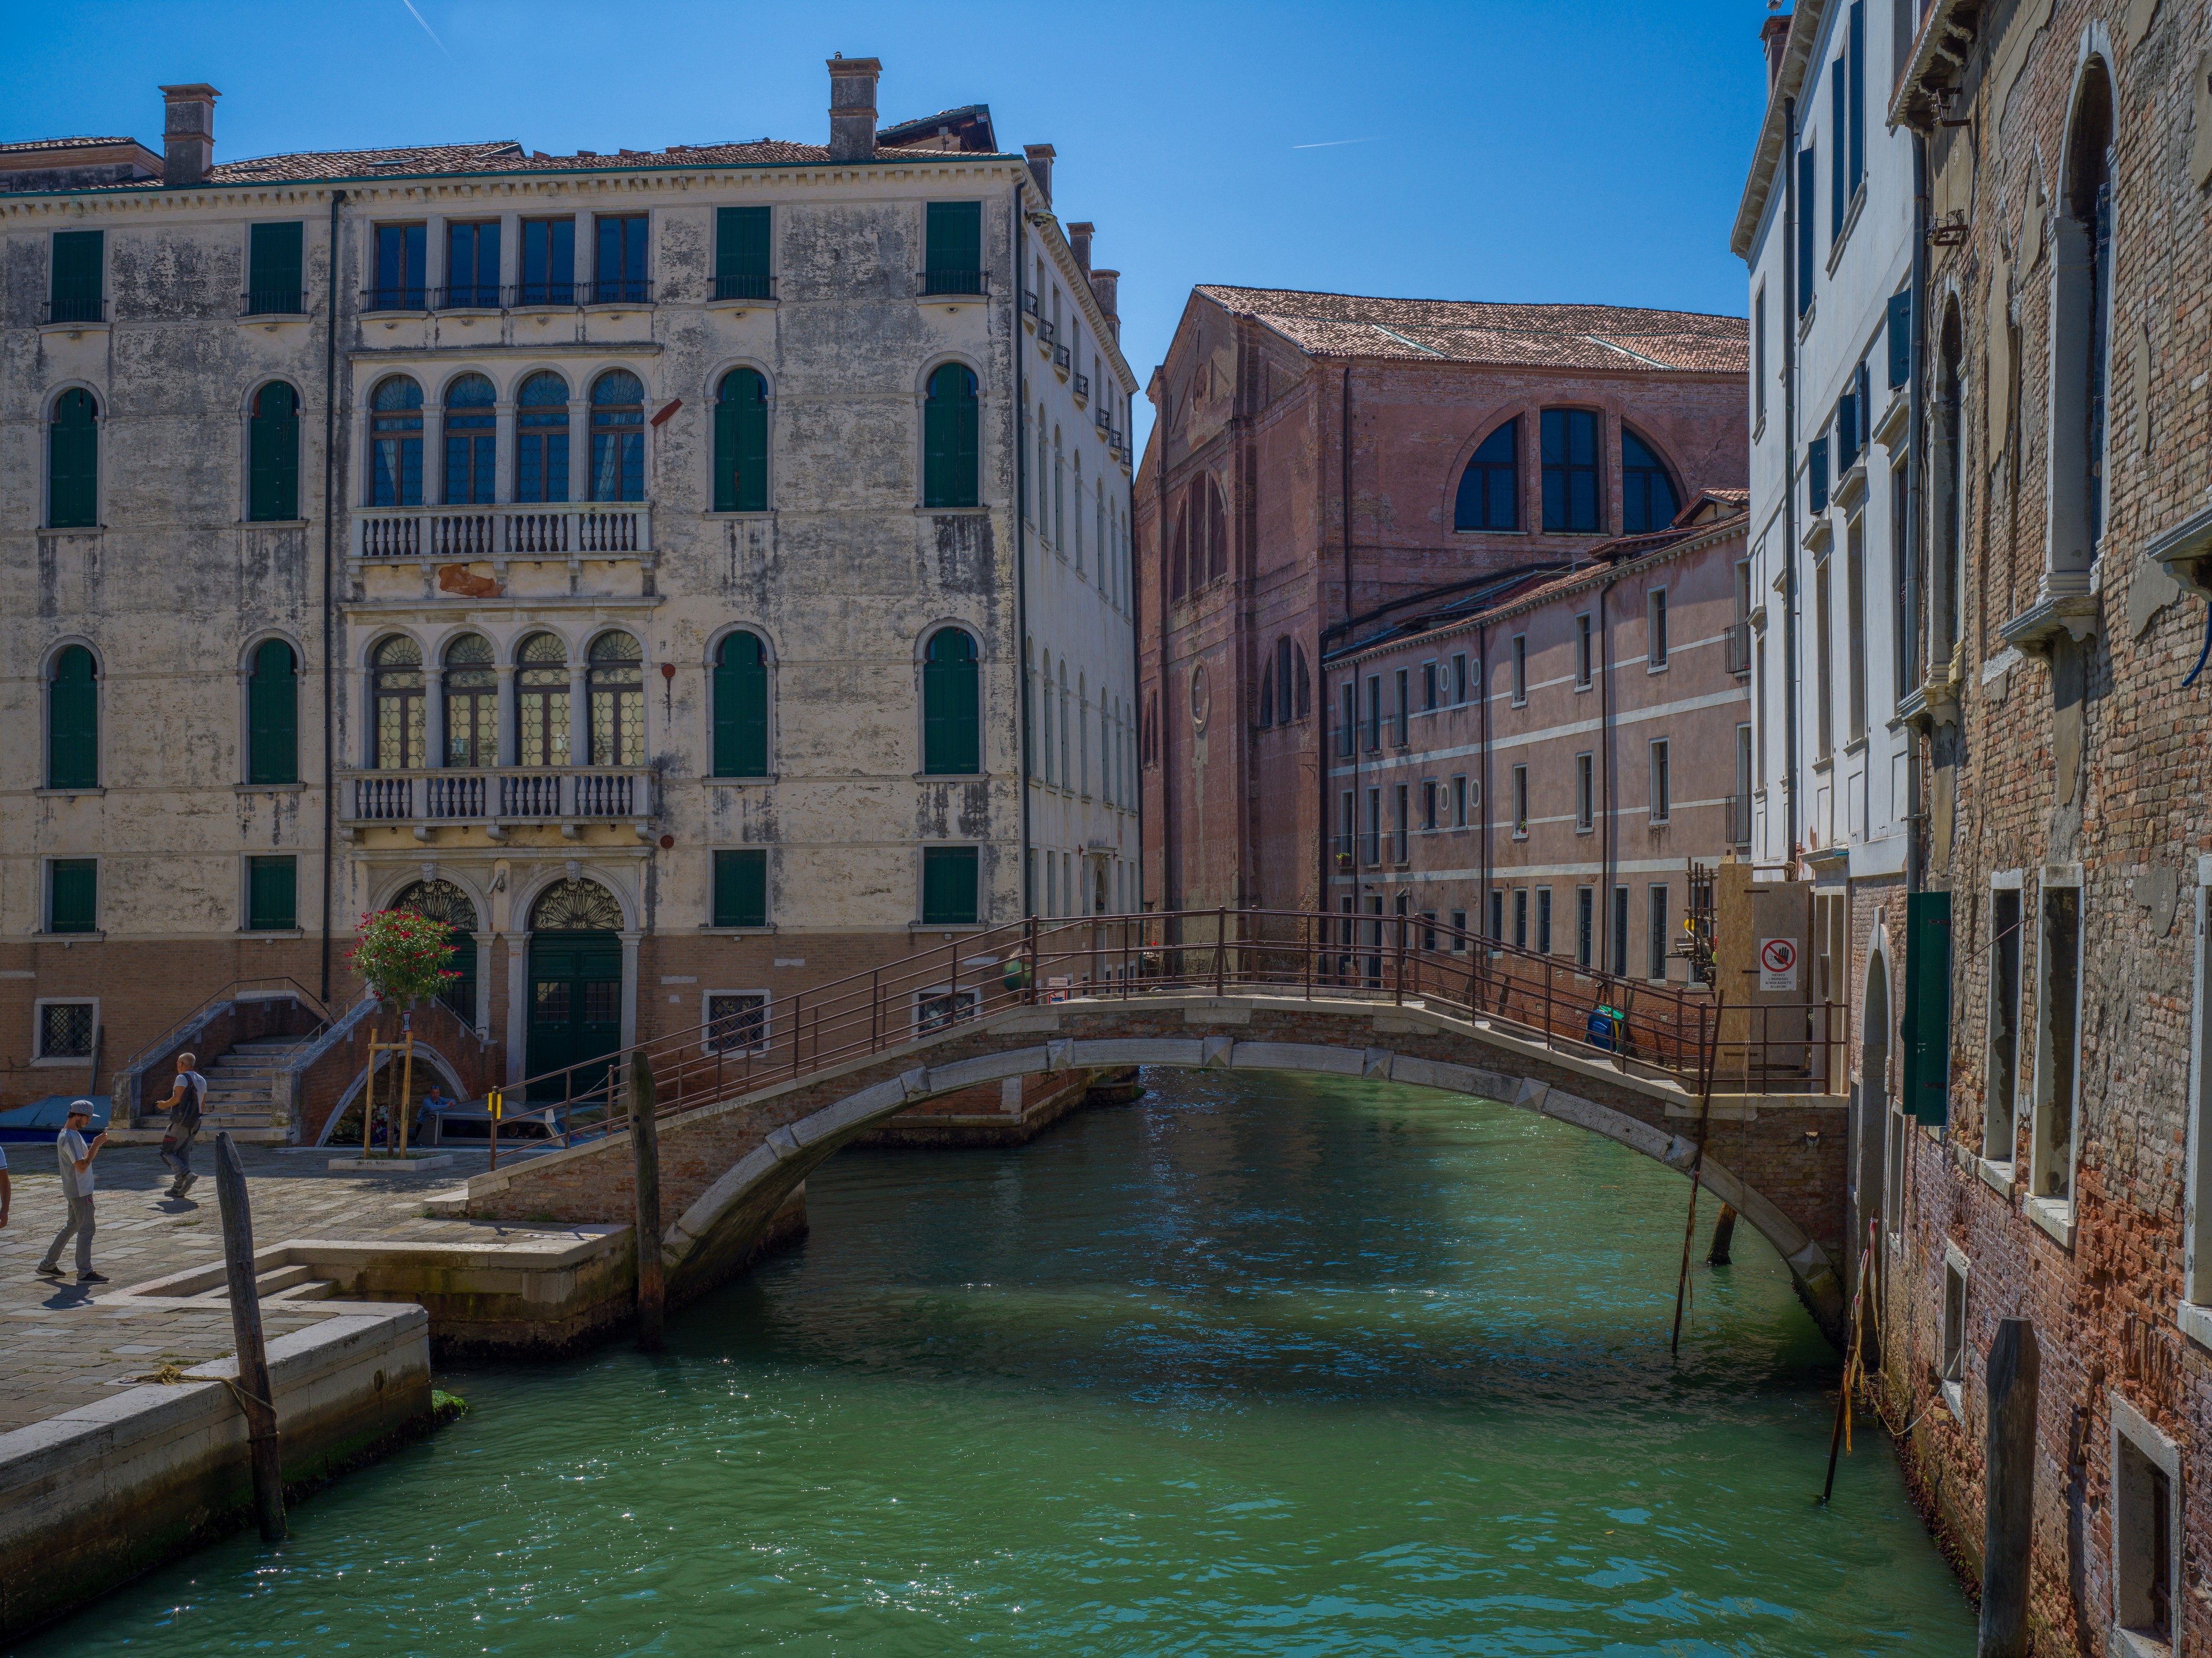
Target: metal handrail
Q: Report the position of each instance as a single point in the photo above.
(1653, 1029)
(229, 994)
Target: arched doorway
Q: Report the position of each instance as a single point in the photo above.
(442, 901)
(575, 988)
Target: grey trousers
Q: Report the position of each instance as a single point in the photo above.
(178, 1153)
(79, 1221)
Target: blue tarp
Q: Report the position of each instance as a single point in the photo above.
(42, 1120)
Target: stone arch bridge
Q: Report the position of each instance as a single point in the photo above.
(735, 1145)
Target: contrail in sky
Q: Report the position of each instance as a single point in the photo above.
(427, 29)
(1330, 143)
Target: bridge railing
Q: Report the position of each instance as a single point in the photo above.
(1646, 1027)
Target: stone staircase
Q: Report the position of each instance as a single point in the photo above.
(240, 1092)
(278, 1283)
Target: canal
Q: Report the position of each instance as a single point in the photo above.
(1256, 1366)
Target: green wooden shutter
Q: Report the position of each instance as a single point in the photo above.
(273, 269)
(72, 895)
(1900, 338)
(937, 443)
(73, 462)
(949, 438)
(273, 716)
(272, 895)
(741, 708)
(741, 254)
(965, 459)
(1927, 1026)
(73, 722)
(741, 443)
(273, 456)
(949, 886)
(951, 712)
(741, 887)
(75, 296)
(953, 253)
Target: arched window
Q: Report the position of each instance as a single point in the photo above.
(73, 721)
(1217, 532)
(1079, 512)
(1283, 681)
(1066, 714)
(576, 906)
(472, 441)
(741, 707)
(616, 678)
(618, 436)
(396, 676)
(1304, 684)
(1179, 555)
(541, 702)
(442, 901)
(1059, 493)
(949, 428)
(1044, 730)
(272, 455)
(395, 443)
(1946, 462)
(951, 705)
(272, 714)
(1647, 494)
(1105, 546)
(471, 704)
(1574, 496)
(1267, 692)
(73, 461)
(741, 443)
(2087, 237)
(1490, 489)
(541, 438)
(1042, 471)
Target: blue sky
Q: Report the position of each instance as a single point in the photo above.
(1504, 149)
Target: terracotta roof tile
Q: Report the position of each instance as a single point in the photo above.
(1512, 335)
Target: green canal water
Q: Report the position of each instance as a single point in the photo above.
(1266, 1366)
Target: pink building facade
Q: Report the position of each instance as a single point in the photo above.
(1321, 463)
(1540, 759)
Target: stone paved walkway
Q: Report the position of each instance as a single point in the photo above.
(61, 1344)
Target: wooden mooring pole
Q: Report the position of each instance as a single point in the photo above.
(2008, 1490)
(1723, 1238)
(254, 1396)
(645, 1144)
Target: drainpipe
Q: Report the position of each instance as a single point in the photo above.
(330, 566)
(1604, 745)
(1915, 487)
(1791, 276)
(1021, 565)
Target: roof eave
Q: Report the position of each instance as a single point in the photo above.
(1773, 135)
(1912, 105)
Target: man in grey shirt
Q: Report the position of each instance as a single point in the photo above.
(183, 1106)
(74, 1155)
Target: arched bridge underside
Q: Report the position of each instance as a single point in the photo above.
(727, 1167)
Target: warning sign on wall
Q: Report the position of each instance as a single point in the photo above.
(1778, 964)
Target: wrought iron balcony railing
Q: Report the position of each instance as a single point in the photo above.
(273, 302)
(1082, 385)
(744, 287)
(467, 296)
(953, 282)
(526, 530)
(395, 298)
(77, 307)
(621, 290)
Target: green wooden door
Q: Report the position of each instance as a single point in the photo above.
(575, 1012)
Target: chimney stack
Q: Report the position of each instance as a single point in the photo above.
(188, 133)
(852, 108)
(1106, 287)
(1774, 34)
(1040, 159)
(1078, 243)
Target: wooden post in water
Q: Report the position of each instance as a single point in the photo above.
(1724, 1237)
(2008, 1490)
(645, 1144)
(254, 1394)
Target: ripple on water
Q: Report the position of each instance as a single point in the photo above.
(1270, 1367)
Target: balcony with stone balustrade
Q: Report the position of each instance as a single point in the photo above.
(492, 800)
(520, 549)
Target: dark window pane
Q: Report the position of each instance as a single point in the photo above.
(272, 895)
(73, 894)
(949, 886)
(741, 887)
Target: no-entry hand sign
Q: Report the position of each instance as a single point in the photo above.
(1778, 964)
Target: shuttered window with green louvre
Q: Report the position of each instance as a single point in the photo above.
(75, 293)
(741, 254)
(741, 707)
(952, 261)
(73, 722)
(272, 895)
(1927, 1026)
(72, 895)
(273, 455)
(73, 461)
(951, 710)
(273, 270)
(273, 701)
(949, 425)
(949, 886)
(741, 443)
(741, 887)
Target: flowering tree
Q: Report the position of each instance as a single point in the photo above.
(402, 957)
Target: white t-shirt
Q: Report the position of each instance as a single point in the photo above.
(69, 1147)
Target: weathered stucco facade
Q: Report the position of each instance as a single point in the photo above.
(766, 477)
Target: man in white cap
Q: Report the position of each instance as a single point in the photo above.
(74, 1155)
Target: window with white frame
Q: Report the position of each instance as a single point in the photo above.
(1520, 670)
(941, 1005)
(2146, 1475)
(1520, 802)
(2000, 1120)
(2197, 1194)
(1655, 655)
(1951, 1353)
(2058, 1033)
(64, 1030)
(1583, 652)
(1585, 792)
(736, 1022)
(1662, 784)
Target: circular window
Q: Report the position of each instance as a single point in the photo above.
(1201, 698)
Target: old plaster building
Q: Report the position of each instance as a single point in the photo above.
(633, 558)
(2050, 1158)
(1319, 464)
